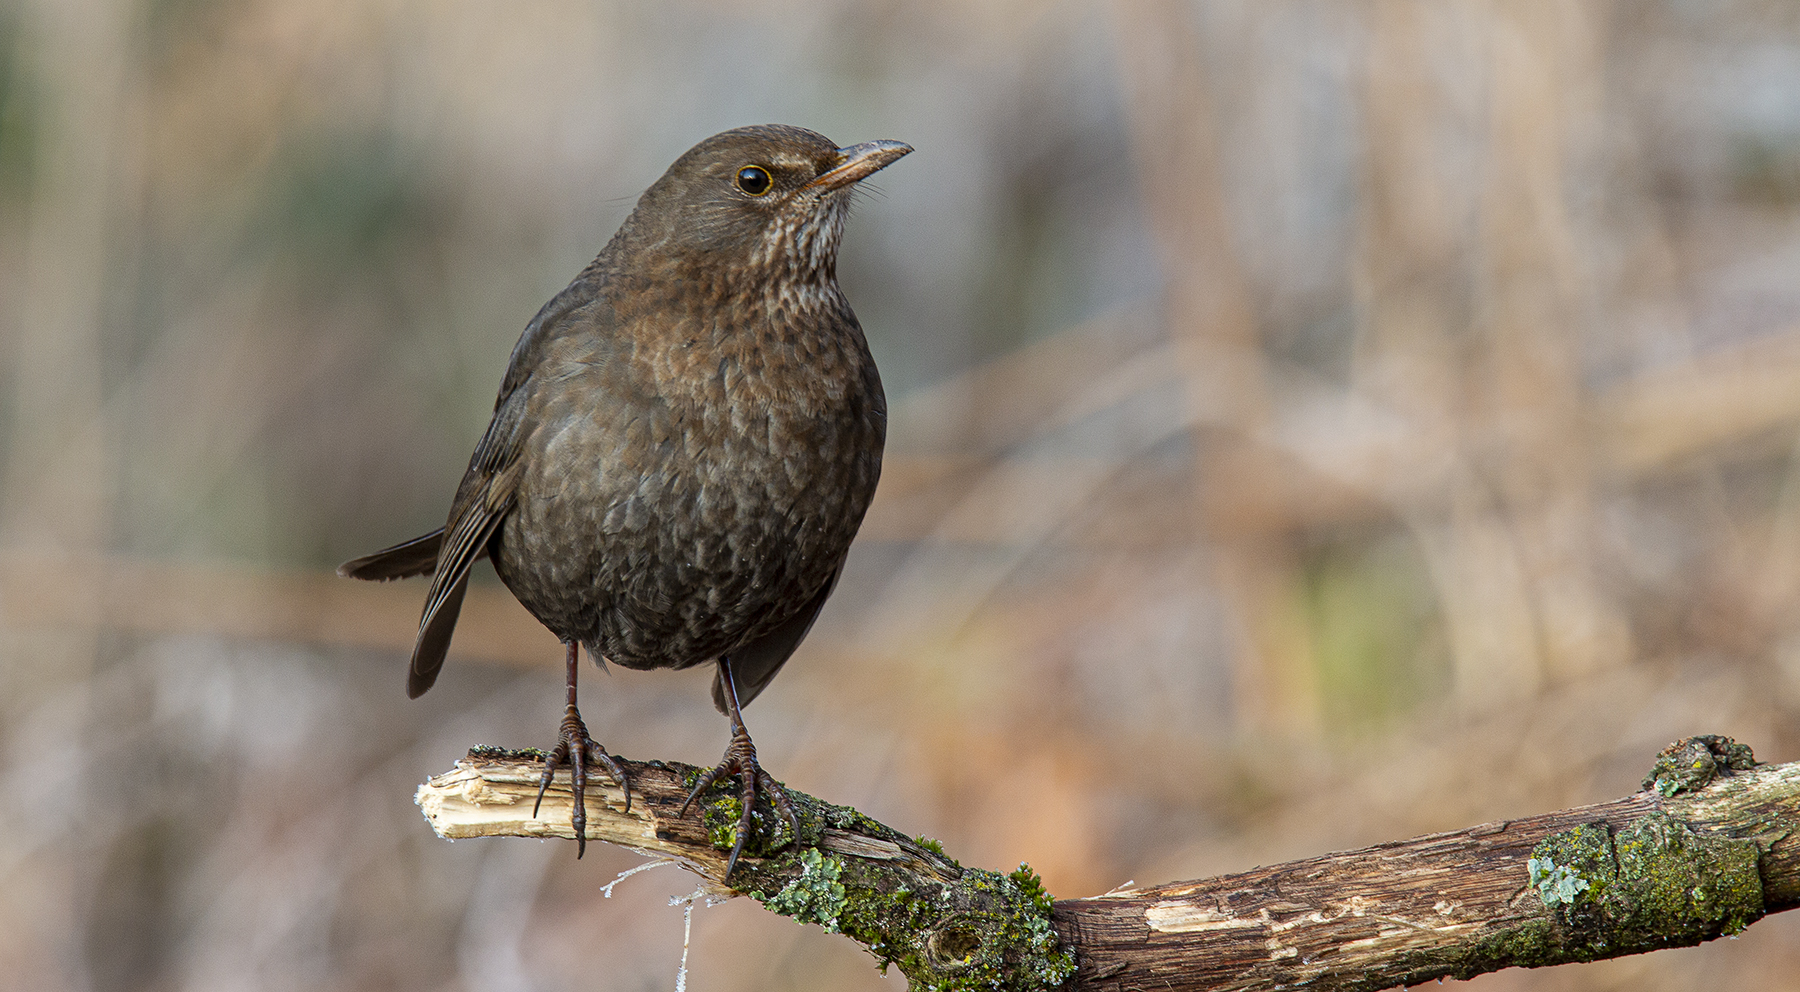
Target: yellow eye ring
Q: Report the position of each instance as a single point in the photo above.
(754, 180)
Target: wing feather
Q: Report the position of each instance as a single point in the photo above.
(488, 493)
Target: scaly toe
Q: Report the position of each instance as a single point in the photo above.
(740, 761)
(573, 740)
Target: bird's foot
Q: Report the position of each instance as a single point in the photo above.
(740, 759)
(574, 746)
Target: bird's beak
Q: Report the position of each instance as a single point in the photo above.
(858, 162)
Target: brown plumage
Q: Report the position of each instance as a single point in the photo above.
(684, 444)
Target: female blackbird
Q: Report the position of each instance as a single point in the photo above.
(683, 446)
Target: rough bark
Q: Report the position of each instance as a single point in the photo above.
(1710, 846)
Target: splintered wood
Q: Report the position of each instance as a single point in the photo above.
(491, 794)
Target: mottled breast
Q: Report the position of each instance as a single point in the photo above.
(690, 485)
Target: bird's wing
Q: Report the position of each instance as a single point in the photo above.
(580, 309)
(754, 665)
(490, 486)
(486, 495)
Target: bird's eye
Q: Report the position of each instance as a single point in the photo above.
(754, 180)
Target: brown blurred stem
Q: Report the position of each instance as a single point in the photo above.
(1708, 848)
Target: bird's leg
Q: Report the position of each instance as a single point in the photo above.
(577, 748)
(740, 757)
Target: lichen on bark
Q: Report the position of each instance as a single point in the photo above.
(947, 928)
(1693, 763)
(1653, 883)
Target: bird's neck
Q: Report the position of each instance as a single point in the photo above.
(794, 293)
(765, 331)
(801, 249)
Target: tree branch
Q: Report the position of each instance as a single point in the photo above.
(1710, 846)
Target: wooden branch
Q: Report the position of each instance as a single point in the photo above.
(944, 926)
(1671, 866)
(1710, 846)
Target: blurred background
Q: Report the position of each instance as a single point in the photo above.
(1313, 424)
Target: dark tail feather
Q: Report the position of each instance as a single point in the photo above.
(418, 556)
(434, 639)
(415, 557)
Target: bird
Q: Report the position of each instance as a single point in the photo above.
(683, 447)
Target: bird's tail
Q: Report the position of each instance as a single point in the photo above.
(408, 558)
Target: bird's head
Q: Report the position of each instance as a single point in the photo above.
(772, 196)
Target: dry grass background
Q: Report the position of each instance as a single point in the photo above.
(1315, 423)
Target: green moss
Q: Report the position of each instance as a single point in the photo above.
(833, 817)
(493, 752)
(1046, 966)
(1032, 887)
(948, 928)
(1573, 866)
(1530, 945)
(721, 807)
(1682, 883)
(982, 931)
(1654, 883)
(721, 817)
(1695, 762)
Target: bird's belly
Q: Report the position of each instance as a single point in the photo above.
(669, 559)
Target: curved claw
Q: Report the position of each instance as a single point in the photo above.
(740, 759)
(573, 740)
